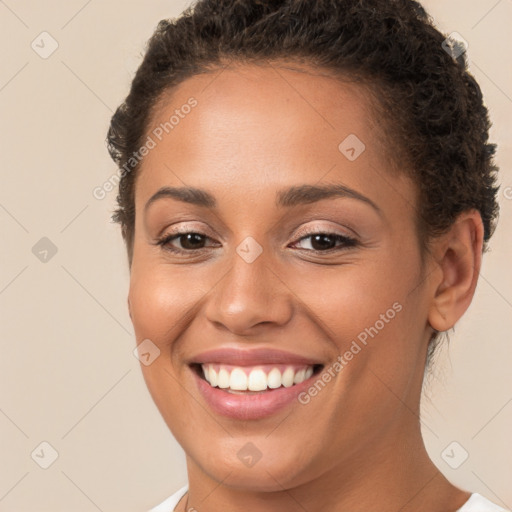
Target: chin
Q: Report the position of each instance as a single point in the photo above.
(266, 474)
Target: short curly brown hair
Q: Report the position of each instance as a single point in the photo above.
(432, 103)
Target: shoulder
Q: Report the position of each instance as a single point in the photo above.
(478, 503)
(168, 504)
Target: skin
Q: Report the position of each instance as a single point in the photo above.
(357, 445)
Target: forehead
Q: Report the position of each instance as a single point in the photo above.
(272, 83)
(255, 126)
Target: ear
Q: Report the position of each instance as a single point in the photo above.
(459, 256)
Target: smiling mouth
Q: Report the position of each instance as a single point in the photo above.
(254, 379)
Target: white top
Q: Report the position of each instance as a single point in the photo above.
(476, 503)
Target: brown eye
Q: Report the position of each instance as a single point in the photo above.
(324, 242)
(189, 241)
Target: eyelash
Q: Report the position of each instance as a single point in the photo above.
(347, 242)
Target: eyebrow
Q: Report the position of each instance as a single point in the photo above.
(293, 196)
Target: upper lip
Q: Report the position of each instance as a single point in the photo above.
(252, 357)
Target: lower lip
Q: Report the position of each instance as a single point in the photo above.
(250, 406)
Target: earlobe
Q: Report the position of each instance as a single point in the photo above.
(459, 256)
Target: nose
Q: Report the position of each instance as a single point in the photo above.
(249, 295)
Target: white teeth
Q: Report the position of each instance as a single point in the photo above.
(257, 380)
(299, 377)
(213, 377)
(274, 379)
(287, 378)
(237, 379)
(223, 379)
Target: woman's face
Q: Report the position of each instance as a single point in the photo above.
(280, 274)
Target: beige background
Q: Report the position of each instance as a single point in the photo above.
(67, 372)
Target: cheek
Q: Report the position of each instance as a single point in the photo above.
(161, 302)
(372, 313)
(349, 299)
(162, 305)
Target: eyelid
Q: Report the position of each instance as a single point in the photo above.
(347, 241)
(164, 242)
(186, 227)
(326, 230)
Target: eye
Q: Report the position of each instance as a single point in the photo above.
(321, 241)
(189, 240)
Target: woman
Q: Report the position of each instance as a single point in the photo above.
(307, 190)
